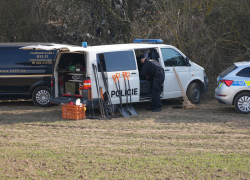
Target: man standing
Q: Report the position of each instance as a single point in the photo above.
(153, 70)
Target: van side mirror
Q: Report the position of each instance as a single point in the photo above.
(187, 62)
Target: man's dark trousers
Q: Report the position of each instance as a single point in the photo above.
(156, 89)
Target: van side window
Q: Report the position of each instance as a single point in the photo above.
(117, 61)
(172, 57)
(18, 58)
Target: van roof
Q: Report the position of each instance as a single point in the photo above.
(116, 47)
(100, 48)
(21, 44)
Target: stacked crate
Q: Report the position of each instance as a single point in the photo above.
(74, 112)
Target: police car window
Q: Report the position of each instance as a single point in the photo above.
(118, 61)
(172, 57)
(244, 72)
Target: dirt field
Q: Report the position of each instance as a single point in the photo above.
(209, 142)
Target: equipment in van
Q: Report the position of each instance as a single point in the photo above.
(98, 89)
(71, 88)
(121, 109)
(132, 109)
(77, 77)
(186, 103)
(107, 90)
(78, 66)
(72, 68)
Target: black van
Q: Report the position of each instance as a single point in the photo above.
(25, 74)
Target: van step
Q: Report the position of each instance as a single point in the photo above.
(145, 98)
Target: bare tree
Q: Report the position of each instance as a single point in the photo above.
(211, 33)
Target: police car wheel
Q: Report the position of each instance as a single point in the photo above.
(41, 96)
(242, 103)
(194, 93)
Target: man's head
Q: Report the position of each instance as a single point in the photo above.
(142, 58)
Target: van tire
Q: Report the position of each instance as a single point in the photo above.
(194, 93)
(41, 96)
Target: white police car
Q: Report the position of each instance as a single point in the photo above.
(234, 87)
(73, 68)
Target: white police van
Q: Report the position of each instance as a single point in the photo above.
(73, 69)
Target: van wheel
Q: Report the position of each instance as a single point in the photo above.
(107, 107)
(242, 103)
(194, 93)
(41, 96)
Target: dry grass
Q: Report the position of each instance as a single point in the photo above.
(209, 142)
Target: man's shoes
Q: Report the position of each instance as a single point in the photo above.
(150, 108)
(156, 110)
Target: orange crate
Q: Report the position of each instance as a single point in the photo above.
(74, 112)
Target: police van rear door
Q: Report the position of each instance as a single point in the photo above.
(119, 62)
(52, 47)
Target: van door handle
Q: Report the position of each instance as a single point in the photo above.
(133, 73)
(167, 69)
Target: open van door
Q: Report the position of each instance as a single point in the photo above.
(53, 47)
(119, 62)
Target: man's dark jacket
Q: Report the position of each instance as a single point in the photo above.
(150, 67)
